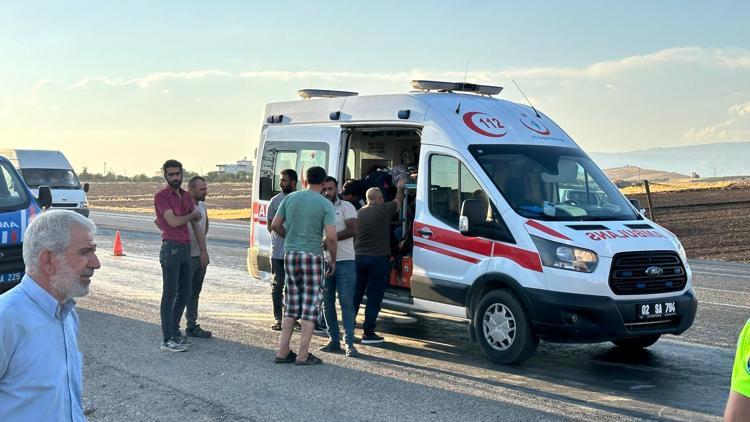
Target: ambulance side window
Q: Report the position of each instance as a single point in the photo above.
(278, 156)
(443, 198)
(451, 183)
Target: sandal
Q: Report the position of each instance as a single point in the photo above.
(311, 360)
(291, 357)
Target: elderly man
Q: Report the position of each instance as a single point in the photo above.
(372, 248)
(40, 365)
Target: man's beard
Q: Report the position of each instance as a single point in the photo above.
(287, 190)
(332, 199)
(174, 184)
(67, 283)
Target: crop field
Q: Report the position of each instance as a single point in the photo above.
(711, 223)
(225, 201)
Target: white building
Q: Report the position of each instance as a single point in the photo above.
(241, 165)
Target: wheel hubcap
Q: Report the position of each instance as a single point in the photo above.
(499, 326)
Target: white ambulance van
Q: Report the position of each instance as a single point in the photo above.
(509, 224)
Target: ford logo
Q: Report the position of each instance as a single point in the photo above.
(654, 271)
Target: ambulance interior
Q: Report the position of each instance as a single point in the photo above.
(380, 156)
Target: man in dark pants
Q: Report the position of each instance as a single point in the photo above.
(288, 185)
(198, 189)
(372, 249)
(175, 209)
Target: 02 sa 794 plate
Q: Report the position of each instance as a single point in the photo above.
(656, 310)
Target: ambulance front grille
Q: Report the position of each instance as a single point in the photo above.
(628, 275)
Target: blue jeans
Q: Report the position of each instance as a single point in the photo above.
(176, 272)
(372, 278)
(343, 281)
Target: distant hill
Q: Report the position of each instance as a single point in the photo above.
(633, 173)
(708, 160)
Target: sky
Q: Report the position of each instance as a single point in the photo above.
(126, 85)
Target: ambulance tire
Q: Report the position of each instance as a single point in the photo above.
(636, 343)
(505, 306)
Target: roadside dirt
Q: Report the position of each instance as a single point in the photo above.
(711, 224)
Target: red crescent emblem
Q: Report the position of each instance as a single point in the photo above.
(484, 124)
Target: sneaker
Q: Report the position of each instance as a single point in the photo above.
(351, 351)
(199, 332)
(182, 340)
(372, 338)
(276, 326)
(297, 326)
(171, 346)
(331, 347)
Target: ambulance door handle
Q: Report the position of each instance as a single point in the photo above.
(425, 232)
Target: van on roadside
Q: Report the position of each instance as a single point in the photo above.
(51, 168)
(512, 226)
(18, 207)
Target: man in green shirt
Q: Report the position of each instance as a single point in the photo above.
(302, 219)
(738, 405)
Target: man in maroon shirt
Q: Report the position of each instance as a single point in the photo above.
(175, 209)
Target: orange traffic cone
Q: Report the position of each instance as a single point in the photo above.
(117, 250)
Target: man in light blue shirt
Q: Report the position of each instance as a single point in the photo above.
(40, 365)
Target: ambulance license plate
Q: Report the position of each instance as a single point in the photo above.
(11, 277)
(656, 310)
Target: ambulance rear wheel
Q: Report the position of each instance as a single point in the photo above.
(636, 342)
(503, 329)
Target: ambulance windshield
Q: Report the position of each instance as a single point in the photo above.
(552, 183)
(12, 191)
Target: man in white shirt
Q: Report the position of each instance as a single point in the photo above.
(344, 279)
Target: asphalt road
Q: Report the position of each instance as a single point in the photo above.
(427, 369)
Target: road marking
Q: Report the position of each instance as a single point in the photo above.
(720, 290)
(149, 218)
(721, 274)
(725, 304)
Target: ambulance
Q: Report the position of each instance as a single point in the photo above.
(17, 208)
(509, 224)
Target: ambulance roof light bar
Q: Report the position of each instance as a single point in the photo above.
(442, 86)
(324, 93)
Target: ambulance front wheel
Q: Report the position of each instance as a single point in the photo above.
(636, 342)
(503, 329)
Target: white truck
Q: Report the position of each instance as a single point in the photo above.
(51, 168)
(514, 227)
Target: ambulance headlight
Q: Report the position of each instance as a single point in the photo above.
(565, 257)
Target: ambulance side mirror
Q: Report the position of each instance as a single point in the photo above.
(637, 205)
(473, 216)
(44, 199)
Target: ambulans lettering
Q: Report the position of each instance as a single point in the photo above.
(484, 124)
(622, 234)
(9, 225)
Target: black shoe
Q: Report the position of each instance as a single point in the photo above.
(332, 347)
(276, 326)
(197, 331)
(372, 338)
